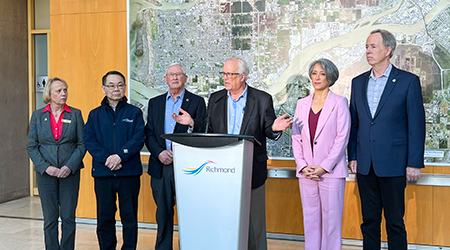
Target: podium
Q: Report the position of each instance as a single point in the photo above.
(213, 175)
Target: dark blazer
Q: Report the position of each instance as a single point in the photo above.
(44, 150)
(259, 116)
(394, 139)
(193, 104)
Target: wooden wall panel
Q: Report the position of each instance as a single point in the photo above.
(283, 206)
(441, 216)
(58, 7)
(83, 55)
(84, 46)
(428, 169)
(87, 205)
(281, 163)
(147, 207)
(352, 217)
(440, 170)
(419, 214)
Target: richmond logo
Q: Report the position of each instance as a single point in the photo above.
(208, 167)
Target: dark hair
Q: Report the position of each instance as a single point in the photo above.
(112, 72)
(388, 39)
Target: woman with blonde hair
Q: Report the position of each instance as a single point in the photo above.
(55, 145)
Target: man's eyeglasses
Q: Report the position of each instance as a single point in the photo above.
(172, 75)
(113, 86)
(228, 74)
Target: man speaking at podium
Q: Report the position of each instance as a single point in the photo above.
(160, 166)
(241, 109)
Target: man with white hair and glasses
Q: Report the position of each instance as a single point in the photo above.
(243, 110)
(160, 120)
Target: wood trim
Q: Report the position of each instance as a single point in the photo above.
(34, 32)
(31, 77)
(31, 91)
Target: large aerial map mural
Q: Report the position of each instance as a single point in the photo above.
(279, 38)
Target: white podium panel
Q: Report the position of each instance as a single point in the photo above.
(213, 188)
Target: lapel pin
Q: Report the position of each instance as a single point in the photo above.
(187, 99)
(45, 119)
(394, 80)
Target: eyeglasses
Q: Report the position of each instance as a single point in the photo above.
(112, 86)
(228, 74)
(172, 75)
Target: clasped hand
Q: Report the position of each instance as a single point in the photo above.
(313, 172)
(58, 172)
(113, 162)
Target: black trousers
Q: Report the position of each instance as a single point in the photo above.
(378, 193)
(106, 191)
(163, 190)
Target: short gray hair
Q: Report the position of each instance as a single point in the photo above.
(331, 71)
(175, 64)
(388, 39)
(242, 65)
(47, 95)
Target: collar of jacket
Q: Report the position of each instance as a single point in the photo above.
(119, 104)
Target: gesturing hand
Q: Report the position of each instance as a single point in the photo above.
(184, 119)
(281, 123)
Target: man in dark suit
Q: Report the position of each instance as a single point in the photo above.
(160, 121)
(241, 109)
(387, 139)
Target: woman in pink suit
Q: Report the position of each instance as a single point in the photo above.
(320, 135)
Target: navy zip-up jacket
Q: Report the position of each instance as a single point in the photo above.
(109, 132)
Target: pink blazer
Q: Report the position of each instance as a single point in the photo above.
(331, 137)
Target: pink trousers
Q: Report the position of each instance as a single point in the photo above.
(323, 205)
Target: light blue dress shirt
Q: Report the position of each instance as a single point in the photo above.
(172, 106)
(375, 88)
(236, 111)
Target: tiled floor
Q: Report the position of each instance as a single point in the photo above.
(21, 228)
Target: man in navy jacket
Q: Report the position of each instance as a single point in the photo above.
(161, 110)
(387, 139)
(114, 136)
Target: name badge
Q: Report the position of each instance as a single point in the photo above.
(66, 121)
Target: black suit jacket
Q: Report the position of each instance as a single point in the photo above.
(257, 122)
(193, 104)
